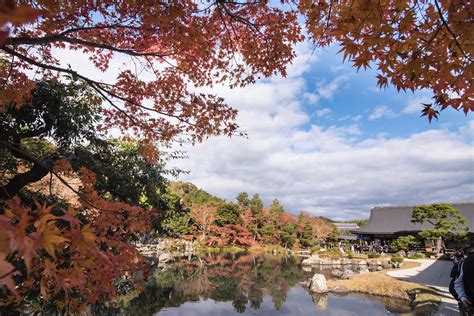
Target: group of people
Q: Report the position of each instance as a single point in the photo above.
(462, 280)
(373, 246)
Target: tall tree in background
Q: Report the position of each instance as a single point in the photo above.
(446, 220)
(276, 207)
(322, 230)
(243, 201)
(228, 214)
(204, 216)
(256, 207)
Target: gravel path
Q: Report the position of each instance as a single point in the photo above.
(435, 274)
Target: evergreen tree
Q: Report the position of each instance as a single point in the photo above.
(256, 206)
(276, 207)
(243, 201)
(228, 214)
(288, 234)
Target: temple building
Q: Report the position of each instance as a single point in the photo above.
(389, 222)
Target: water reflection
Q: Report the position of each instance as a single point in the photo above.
(246, 284)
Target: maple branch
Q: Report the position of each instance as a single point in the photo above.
(97, 86)
(100, 27)
(8, 273)
(328, 22)
(445, 23)
(21, 154)
(39, 170)
(16, 41)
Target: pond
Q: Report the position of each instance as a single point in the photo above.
(244, 284)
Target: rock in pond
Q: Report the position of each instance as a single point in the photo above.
(317, 284)
(313, 260)
(339, 289)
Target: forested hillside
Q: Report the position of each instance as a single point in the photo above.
(194, 213)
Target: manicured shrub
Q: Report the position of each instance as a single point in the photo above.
(396, 259)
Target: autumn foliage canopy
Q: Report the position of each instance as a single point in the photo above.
(171, 54)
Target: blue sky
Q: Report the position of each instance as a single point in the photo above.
(358, 94)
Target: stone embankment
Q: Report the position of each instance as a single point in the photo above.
(165, 250)
(374, 264)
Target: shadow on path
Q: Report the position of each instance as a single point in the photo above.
(435, 274)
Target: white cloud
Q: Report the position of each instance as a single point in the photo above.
(323, 112)
(382, 112)
(311, 97)
(327, 91)
(414, 105)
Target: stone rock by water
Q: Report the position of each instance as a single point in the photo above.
(336, 262)
(347, 274)
(340, 289)
(326, 261)
(363, 263)
(365, 270)
(346, 261)
(318, 284)
(313, 260)
(336, 273)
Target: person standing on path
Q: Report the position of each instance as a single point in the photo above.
(464, 285)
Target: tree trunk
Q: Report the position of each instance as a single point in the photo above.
(438, 244)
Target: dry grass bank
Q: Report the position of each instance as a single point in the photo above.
(424, 299)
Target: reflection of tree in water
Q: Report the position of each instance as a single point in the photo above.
(243, 280)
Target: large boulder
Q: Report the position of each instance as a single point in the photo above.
(363, 263)
(318, 284)
(311, 261)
